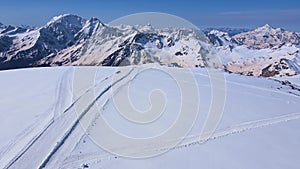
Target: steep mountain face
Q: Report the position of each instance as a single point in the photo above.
(72, 40)
(101, 44)
(25, 49)
(5, 36)
(11, 30)
(59, 33)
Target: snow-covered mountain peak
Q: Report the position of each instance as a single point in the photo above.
(63, 16)
(146, 28)
(61, 30)
(218, 33)
(11, 30)
(67, 19)
(266, 27)
(93, 22)
(265, 51)
(90, 27)
(219, 38)
(266, 37)
(2, 27)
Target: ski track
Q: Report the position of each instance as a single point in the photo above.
(65, 149)
(77, 121)
(88, 90)
(10, 154)
(36, 141)
(193, 140)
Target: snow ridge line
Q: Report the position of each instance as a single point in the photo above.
(75, 124)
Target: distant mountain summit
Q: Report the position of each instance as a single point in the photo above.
(259, 38)
(71, 40)
(27, 48)
(267, 37)
(264, 51)
(230, 31)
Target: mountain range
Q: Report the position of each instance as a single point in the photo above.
(69, 40)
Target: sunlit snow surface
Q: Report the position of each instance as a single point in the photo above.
(39, 126)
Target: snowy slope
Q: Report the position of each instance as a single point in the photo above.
(264, 62)
(259, 126)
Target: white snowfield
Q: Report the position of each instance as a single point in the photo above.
(41, 120)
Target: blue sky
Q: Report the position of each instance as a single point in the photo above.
(209, 13)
